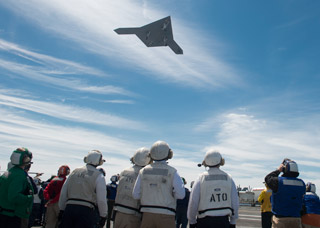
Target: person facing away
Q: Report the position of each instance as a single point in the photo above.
(16, 191)
(311, 207)
(84, 190)
(158, 186)
(127, 210)
(38, 204)
(266, 214)
(52, 194)
(214, 199)
(182, 208)
(287, 195)
(111, 196)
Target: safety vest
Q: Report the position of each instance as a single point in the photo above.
(125, 203)
(264, 199)
(215, 193)
(287, 201)
(312, 203)
(82, 186)
(157, 189)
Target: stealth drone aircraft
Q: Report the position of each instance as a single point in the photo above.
(155, 34)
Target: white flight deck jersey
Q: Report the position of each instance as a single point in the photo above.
(125, 203)
(215, 193)
(157, 189)
(82, 186)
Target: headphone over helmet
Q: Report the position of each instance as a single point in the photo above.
(94, 158)
(213, 158)
(141, 157)
(114, 178)
(311, 187)
(160, 150)
(64, 170)
(290, 166)
(21, 156)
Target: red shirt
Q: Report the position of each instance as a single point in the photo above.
(52, 191)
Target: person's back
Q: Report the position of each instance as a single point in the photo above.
(182, 209)
(266, 214)
(213, 200)
(16, 192)
(287, 195)
(111, 196)
(127, 208)
(52, 194)
(311, 207)
(158, 186)
(82, 192)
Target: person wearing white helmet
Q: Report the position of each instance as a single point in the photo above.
(127, 208)
(84, 190)
(311, 207)
(214, 199)
(287, 195)
(16, 192)
(158, 186)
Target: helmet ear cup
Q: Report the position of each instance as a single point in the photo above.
(170, 154)
(222, 162)
(101, 160)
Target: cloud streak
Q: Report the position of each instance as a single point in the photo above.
(70, 113)
(254, 147)
(93, 24)
(55, 71)
(61, 144)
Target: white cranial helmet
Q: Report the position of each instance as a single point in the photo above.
(290, 166)
(311, 187)
(160, 150)
(21, 156)
(141, 157)
(213, 158)
(94, 158)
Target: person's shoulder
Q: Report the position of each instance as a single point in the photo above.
(17, 173)
(171, 167)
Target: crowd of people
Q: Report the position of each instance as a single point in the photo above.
(149, 194)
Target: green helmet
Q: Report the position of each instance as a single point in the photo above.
(21, 156)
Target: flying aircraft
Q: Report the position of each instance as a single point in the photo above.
(155, 34)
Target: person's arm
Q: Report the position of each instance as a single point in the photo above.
(101, 196)
(272, 179)
(234, 204)
(35, 189)
(178, 187)
(63, 196)
(261, 196)
(47, 192)
(136, 192)
(194, 203)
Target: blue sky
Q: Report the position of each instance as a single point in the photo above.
(248, 84)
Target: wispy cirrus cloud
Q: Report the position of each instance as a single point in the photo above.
(58, 66)
(198, 67)
(254, 146)
(54, 71)
(70, 112)
(61, 144)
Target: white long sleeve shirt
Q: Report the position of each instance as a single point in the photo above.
(178, 186)
(195, 199)
(101, 193)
